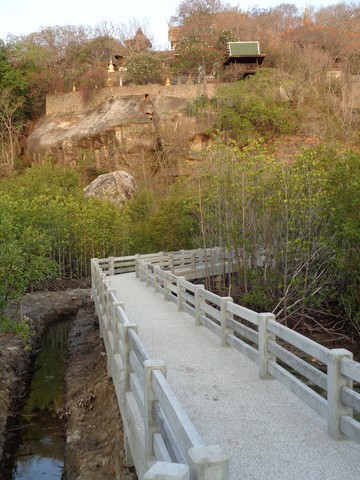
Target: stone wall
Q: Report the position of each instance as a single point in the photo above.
(73, 101)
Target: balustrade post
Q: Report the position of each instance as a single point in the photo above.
(94, 262)
(115, 330)
(209, 463)
(336, 382)
(148, 274)
(165, 286)
(156, 278)
(102, 292)
(197, 303)
(137, 265)
(180, 258)
(150, 423)
(115, 373)
(107, 312)
(180, 290)
(193, 260)
(171, 263)
(112, 266)
(102, 304)
(264, 336)
(225, 331)
(111, 336)
(168, 471)
(161, 259)
(126, 354)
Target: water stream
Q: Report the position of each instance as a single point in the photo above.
(36, 445)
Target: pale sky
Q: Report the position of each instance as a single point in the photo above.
(26, 16)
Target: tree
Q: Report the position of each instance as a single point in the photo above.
(293, 227)
(10, 126)
(196, 57)
(343, 189)
(24, 252)
(197, 19)
(190, 8)
(11, 77)
(277, 19)
(143, 68)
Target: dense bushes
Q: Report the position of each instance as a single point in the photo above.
(254, 108)
(294, 227)
(50, 230)
(165, 224)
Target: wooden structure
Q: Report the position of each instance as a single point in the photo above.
(246, 55)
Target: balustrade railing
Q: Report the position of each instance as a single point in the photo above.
(328, 380)
(160, 440)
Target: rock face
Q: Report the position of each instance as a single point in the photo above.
(146, 135)
(116, 187)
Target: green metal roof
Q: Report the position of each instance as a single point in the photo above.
(241, 49)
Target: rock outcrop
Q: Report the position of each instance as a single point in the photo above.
(142, 134)
(116, 187)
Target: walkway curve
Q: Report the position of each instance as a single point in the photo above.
(269, 432)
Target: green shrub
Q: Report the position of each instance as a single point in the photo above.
(253, 109)
(21, 328)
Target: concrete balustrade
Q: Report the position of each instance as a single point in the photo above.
(336, 382)
(163, 451)
(149, 443)
(263, 338)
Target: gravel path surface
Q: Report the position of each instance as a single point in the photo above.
(268, 432)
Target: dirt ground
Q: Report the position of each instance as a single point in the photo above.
(94, 437)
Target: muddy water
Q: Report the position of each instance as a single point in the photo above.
(36, 445)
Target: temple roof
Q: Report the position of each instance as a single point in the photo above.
(242, 49)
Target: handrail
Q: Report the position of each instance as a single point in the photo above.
(159, 436)
(321, 377)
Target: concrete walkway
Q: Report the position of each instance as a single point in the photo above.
(268, 432)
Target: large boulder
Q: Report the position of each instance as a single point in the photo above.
(116, 187)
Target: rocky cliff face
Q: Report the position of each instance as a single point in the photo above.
(143, 135)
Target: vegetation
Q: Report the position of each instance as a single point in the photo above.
(50, 230)
(282, 220)
(197, 58)
(290, 216)
(22, 328)
(143, 68)
(255, 109)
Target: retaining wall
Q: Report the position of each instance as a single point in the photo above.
(73, 101)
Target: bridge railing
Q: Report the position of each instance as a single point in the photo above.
(160, 440)
(205, 262)
(328, 380)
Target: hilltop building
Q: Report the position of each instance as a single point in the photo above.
(246, 54)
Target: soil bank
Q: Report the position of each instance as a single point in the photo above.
(93, 428)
